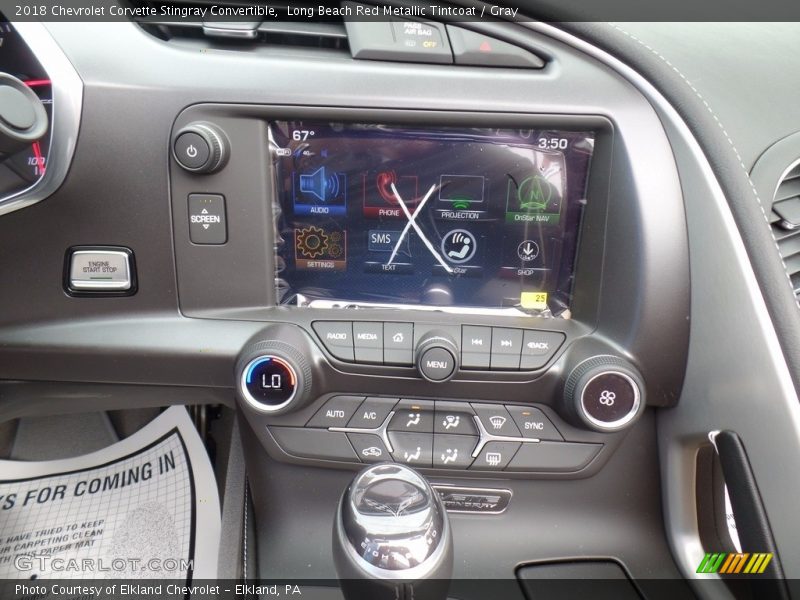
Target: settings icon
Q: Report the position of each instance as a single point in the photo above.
(311, 241)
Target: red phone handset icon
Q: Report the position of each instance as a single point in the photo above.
(384, 181)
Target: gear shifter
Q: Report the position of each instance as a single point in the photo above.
(391, 537)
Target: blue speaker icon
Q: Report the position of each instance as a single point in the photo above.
(324, 187)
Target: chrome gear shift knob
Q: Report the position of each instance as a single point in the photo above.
(392, 532)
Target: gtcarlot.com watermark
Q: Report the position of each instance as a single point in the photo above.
(55, 564)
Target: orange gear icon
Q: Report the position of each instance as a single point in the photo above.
(312, 241)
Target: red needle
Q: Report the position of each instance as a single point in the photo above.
(36, 82)
(37, 153)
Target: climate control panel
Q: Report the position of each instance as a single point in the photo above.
(435, 434)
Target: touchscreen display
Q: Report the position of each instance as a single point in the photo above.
(428, 217)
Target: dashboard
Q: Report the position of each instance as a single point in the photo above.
(518, 271)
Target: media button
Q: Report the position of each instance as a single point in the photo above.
(368, 342)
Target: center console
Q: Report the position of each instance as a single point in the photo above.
(441, 290)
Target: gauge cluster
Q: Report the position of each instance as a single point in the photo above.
(26, 167)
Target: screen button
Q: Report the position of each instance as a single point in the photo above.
(337, 336)
(368, 342)
(398, 344)
(207, 219)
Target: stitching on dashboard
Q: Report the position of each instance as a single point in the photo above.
(244, 535)
(730, 141)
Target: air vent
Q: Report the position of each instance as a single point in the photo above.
(181, 19)
(785, 221)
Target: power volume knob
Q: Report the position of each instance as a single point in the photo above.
(273, 377)
(437, 357)
(201, 148)
(606, 393)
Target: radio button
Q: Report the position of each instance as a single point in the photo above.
(494, 456)
(496, 420)
(368, 342)
(453, 451)
(398, 344)
(336, 412)
(413, 415)
(506, 348)
(337, 336)
(533, 423)
(372, 413)
(538, 347)
(476, 344)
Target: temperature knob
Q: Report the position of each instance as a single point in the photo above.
(273, 376)
(201, 148)
(606, 393)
